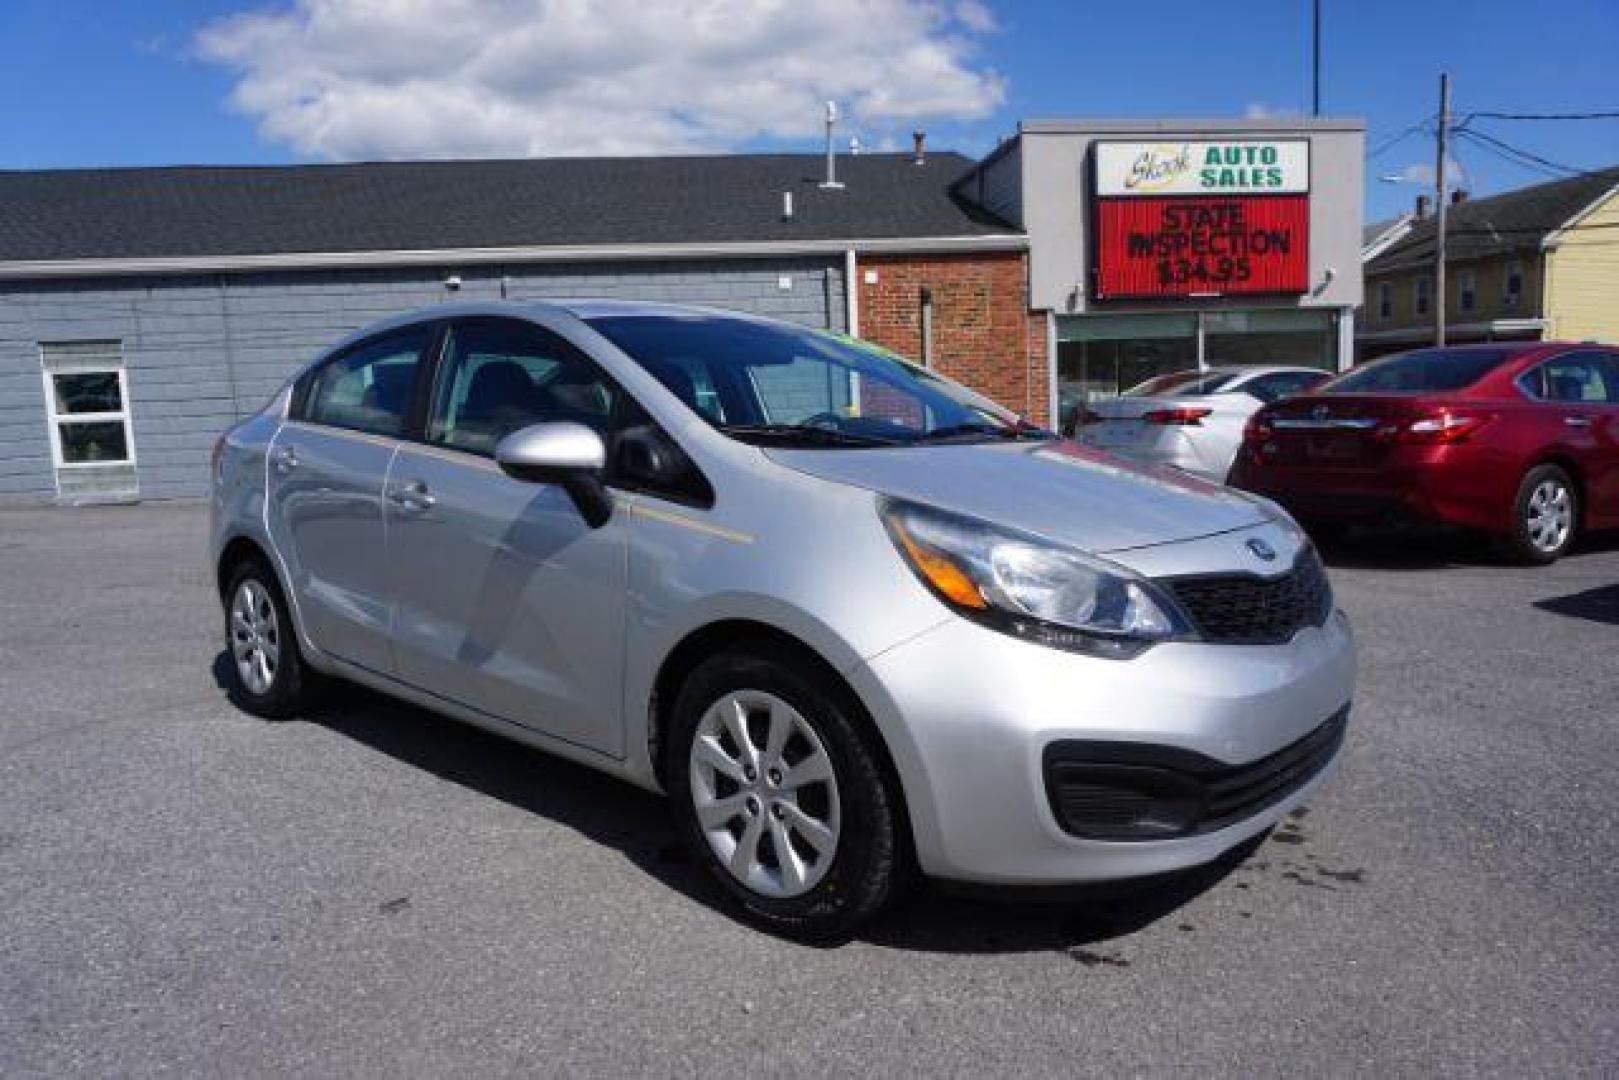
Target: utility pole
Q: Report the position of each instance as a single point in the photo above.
(1441, 205)
(1315, 63)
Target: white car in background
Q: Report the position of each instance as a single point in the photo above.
(1192, 420)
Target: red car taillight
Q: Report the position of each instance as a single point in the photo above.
(1442, 426)
(1184, 417)
(1257, 429)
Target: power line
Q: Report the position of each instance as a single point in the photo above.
(1394, 140)
(1542, 116)
(1518, 151)
(1511, 157)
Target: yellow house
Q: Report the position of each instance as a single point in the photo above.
(1539, 263)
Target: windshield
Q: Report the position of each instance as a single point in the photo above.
(781, 385)
(1421, 372)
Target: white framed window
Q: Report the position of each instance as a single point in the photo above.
(1385, 301)
(1512, 285)
(87, 410)
(1422, 295)
(1467, 290)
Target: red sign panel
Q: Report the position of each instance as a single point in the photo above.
(1204, 245)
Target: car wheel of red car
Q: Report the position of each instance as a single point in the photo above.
(1544, 516)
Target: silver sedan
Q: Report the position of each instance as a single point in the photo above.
(856, 621)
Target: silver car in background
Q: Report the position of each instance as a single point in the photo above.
(853, 619)
(1192, 420)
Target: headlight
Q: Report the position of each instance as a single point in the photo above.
(1029, 587)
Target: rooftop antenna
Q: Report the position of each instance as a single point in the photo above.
(831, 180)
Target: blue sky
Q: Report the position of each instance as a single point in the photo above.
(120, 82)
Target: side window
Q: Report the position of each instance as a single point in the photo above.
(1610, 374)
(369, 387)
(1269, 388)
(500, 376)
(1576, 377)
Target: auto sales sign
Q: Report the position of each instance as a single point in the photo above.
(1193, 219)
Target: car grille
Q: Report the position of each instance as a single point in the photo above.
(1128, 791)
(1241, 609)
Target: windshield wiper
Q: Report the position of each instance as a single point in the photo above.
(799, 435)
(971, 429)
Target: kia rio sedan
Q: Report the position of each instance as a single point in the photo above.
(1517, 441)
(854, 620)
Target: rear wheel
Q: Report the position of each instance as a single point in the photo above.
(1544, 516)
(782, 795)
(268, 676)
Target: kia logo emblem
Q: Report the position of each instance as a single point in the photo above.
(1262, 550)
(1320, 412)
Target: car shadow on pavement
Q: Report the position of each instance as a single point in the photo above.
(1600, 604)
(1408, 548)
(637, 824)
(944, 920)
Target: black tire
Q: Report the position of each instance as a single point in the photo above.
(290, 686)
(869, 862)
(1535, 546)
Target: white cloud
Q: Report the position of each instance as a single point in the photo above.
(351, 79)
(1258, 110)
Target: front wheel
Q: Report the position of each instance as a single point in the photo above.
(782, 795)
(1544, 516)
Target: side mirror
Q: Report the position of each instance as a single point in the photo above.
(567, 454)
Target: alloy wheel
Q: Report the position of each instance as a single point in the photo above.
(1549, 516)
(255, 636)
(765, 794)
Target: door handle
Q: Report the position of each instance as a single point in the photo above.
(412, 496)
(1577, 421)
(286, 459)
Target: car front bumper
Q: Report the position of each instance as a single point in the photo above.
(974, 717)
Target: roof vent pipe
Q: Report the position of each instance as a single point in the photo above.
(1423, 207)
(786, 206)
(831, 180)
(919, 140)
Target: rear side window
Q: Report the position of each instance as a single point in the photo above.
(1268, 388)
(1424, 371)
(369, 387)
(1578, 377)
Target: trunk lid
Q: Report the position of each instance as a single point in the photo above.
(1333, 430)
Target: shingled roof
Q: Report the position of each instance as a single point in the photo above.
(211, 211)
(1513, 221)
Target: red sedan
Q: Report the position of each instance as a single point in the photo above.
(1517, 440)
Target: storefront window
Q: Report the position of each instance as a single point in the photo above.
(1302, 338)
(1099, 355)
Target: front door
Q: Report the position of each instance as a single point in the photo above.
(1583, 390)
(507, 601)
(326, 472)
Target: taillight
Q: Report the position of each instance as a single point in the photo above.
(1183, 417)
(1443, 426)
(1257, 429)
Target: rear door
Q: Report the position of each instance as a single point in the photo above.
(326, 471)
(507, 601)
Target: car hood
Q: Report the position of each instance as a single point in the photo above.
(1059, 490)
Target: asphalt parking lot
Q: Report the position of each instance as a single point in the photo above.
(377, 891)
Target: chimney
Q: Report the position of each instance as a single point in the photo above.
(1424, 205)
(831, 181)
(1458, 196)
(919, 140)
(787, 206)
